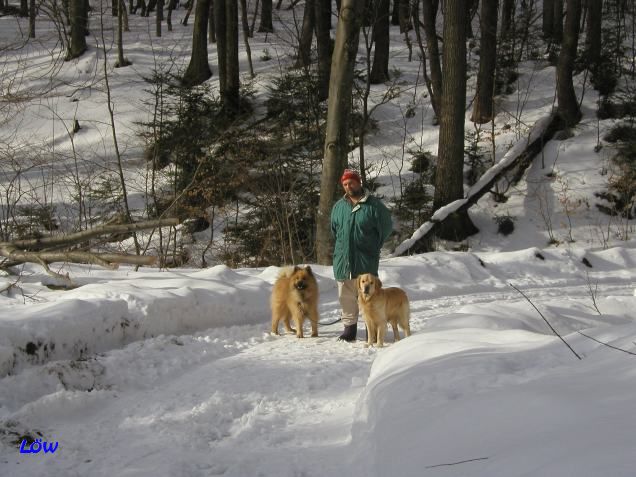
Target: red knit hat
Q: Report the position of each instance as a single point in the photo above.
(350, 174)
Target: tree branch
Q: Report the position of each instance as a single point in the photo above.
(546, 320)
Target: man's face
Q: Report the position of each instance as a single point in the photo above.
(352, 187)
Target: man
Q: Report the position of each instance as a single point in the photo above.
(360, 223)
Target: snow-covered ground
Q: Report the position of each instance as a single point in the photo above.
(174, 372)
(180, 376)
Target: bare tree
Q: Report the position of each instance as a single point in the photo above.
(306, 35)
(339, 110)
(568, 106)
(449, 178)
(483, 105)
(266, 25)
(231, 85)
(78, 20)
(593, 37)
(380, 39)
(429, 20)
(198, 69)
(548, 19)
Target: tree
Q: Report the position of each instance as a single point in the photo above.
(593, 37)
(78, 13)
(568, 106)
(338, 113)
(32, 13)
(323, 44)
(121, 60)
(557, 26)
(227, 47)
(266, 25)
(483, 105)
(199, 70)
(306, 35)
(380, 39)
(449, 177)
(429, 18)
(548, 19)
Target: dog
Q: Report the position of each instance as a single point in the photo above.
(381, 305)
(295, 295)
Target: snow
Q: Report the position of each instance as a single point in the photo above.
(194, 384)
(174, 372)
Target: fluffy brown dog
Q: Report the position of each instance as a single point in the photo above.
(381, 305)
(295, 295)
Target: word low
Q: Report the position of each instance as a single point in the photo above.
(36, 446)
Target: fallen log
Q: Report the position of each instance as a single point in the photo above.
(46, 250)
(512, 165)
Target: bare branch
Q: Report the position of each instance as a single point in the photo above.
(546, 320)
(607, 344)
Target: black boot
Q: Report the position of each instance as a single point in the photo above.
(349, 334)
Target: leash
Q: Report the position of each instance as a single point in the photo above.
(331, 323)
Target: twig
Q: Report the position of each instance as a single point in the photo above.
(547, 322)
(607, 344)
(455, 463)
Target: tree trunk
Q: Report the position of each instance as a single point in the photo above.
(472, 6)
(449, 177)
(159, 18)
(323, 42)
(246, 34)
(306, 35)
(230, 94)
(32, 12)
(380, 18)
(171, 6)
(593, 37)
(199, 70)
(507, 12)
(568, 106)
(339, 110)
(78, 16)
(221, 41)
(429, 19)
(483, 105)
(548, 19)
(266, 25)
(211, 24)
(121, 60)
(403, 16)
(557, 26)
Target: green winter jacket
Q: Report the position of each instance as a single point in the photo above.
(359, 233)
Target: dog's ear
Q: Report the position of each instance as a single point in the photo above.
(308, 270)
(358, 282)
(378, 282)
(295, 268)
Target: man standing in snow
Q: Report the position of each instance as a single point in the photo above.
(360, 223)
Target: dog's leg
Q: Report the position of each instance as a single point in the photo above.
(288, 327)
(381, 333)
(298, 316)
(313, 317)
(275, 320)
(371, 331)
(396, 333)
(406, 318)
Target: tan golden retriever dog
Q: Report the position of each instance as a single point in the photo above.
(381, 305)
(295, 295)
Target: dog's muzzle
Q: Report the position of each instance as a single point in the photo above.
(301, 285)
